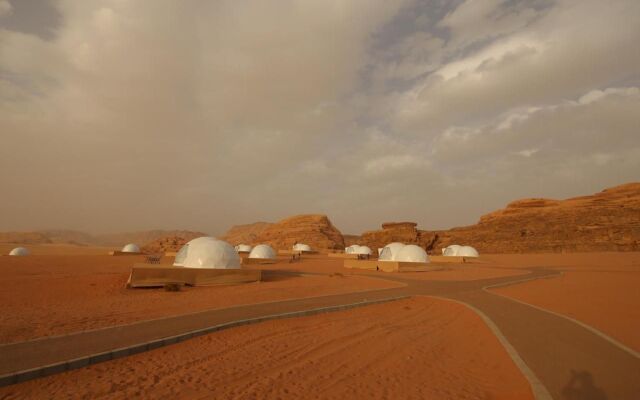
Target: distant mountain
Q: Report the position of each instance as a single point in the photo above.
(64, 236)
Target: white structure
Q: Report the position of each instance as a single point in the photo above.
(363, 251)
(263, 251)
(412, 253)
(301, 247)
(460, 251)
(467, 251)
(131, 248)
(390, 251)
(351, 249)
(243, 248)
(20, 251)
(357, 249)
(207, 252)
(451, 251)
(380, 250)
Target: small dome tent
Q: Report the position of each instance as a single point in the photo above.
(131, 248)
(390, 251)
(301, 247)
(263, 251)
(362, 250)
(412, 253)
(467, 251)
(351, 249)
(19, 251)
(451, 251)
(207, 252)
(243, 248)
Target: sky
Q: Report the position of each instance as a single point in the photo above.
(120, 115)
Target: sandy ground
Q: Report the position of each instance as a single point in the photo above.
(463, 272)
(411, 349)
(599, 289)
(51, 295)
(608, 301)
(610, 261)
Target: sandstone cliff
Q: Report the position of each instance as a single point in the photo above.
(171, 242)
(315, 230)
(245, 234)
(404, 232)
(606, 221)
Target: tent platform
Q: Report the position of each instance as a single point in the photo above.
(258, 261)
(361, 264)
(391, 266)
(158, 275)
(343, 255)
(124, 253)
(452, 259)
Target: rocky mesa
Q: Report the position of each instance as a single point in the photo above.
(316, 230)
(605, 221)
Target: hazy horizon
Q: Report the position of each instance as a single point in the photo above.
(121, 116)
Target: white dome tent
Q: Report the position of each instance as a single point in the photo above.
(131, 248)
(301, 247)
(467, 251)
(362, 250)
(451, 251)
(390, 251)
(351, 249)
(412, 253)
(243, 248)
(263, 251)
(207, 252)
(19, 251)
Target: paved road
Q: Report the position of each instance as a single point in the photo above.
(560, 353)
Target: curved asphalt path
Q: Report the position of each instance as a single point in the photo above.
(561, 354)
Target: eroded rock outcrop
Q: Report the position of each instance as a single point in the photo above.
(171, 242)
(605, 221)
(404, 232)
(314, 229)
(245, 234)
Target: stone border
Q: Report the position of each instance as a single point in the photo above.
(40, 372)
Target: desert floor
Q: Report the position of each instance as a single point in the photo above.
(418, 348)
(599, 289)
(424, 348)
(53, 295)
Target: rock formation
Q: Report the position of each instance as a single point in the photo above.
(606, 221)
(315, 230)
(24, 238)
(405, 232)
(245, 234)
(171, 242)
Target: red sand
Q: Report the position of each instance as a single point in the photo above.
(608, 301)
(463, 272)
(417, 348)
(51, 295)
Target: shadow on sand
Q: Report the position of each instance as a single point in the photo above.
(274, 275)
(581, 386)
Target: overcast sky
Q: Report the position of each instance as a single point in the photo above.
(121, 115)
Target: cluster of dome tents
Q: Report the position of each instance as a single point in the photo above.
(401, 252)
(208, 252)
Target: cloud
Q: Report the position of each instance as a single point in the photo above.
(203, 115)
(5, 7)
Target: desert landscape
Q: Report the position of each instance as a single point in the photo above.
(459, 329)
(330, 199)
